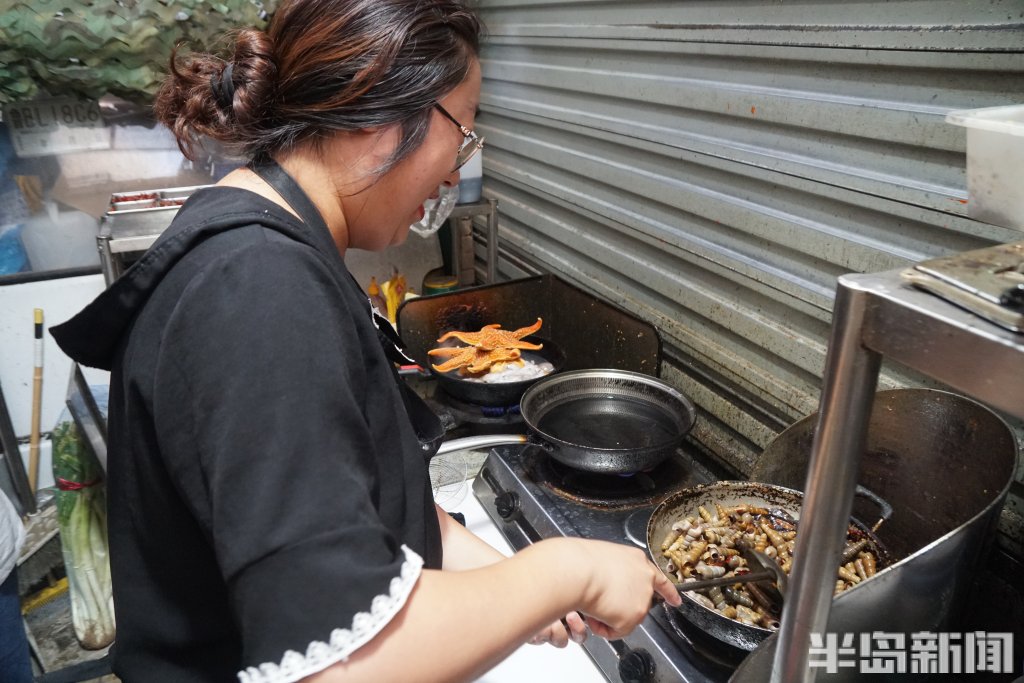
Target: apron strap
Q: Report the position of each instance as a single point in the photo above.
(275, 176)
(428, 428)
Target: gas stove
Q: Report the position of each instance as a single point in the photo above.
(461, 418)
(531, 497)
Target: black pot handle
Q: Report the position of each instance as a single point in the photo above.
(884, 508)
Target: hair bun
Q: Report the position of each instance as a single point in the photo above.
(324, 67)
(252, 76)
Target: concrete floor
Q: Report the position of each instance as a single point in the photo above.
(54, 639)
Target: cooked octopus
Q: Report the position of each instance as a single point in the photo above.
(704, 546)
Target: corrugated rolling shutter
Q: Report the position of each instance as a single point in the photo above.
(714, 165)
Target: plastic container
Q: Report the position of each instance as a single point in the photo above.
(437, 282)
(61, 239)
(471, 179)
(13, 258)
(995, 163)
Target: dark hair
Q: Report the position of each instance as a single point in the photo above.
(323, 66)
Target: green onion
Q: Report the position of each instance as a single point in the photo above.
(82, 517)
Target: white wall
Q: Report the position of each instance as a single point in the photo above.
(60, 299)
(414, 259)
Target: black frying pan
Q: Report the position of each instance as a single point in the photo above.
(607, 421)
(502, 393)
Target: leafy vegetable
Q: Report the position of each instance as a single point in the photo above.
(82, 516)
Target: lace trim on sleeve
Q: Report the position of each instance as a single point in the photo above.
(343, 641)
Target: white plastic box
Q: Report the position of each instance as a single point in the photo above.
(995, 163)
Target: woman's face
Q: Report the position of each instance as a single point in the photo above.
(380, 216)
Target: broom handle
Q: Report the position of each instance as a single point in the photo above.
(37, 401)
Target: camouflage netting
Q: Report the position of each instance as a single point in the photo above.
(122, 47)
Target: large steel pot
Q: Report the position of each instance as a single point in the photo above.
(607, 421)
(945, 464)
(727, 494)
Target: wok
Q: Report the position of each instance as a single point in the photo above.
(945, 463)
(500, 394)
(727, 494)
(607, 421)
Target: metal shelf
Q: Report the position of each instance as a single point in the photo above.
(876, 316)
(488, 208)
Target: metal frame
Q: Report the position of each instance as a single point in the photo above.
(876, 316)
(14, 476)
(487, 207)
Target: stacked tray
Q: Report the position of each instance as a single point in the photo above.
(150, 200)
(133, 222)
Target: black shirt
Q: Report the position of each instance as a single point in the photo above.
(269, 499)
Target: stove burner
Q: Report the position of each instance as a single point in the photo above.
(498, 411)
(463, 413)
(520, 488)
(604, 490)
(636, 527)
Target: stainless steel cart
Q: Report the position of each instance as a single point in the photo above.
(876, 316)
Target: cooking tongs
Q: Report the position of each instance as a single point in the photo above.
(763, 568)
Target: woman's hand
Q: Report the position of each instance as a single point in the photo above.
(622, 583)
(559, 632)
(610, 584)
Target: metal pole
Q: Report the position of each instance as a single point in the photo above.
(492, 242)
(851, 373)
(26, 500)
(455, 250)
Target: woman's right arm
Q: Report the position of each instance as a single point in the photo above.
(457, 625)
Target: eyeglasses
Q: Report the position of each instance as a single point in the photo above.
(470, 146)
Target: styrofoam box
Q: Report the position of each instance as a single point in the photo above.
(995, 163)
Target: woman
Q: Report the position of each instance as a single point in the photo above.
(15, 662)
(271, 514)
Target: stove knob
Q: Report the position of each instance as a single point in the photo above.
(507, 505)
(636, 666)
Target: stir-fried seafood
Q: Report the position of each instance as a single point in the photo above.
(705, 547)
(489, 349)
